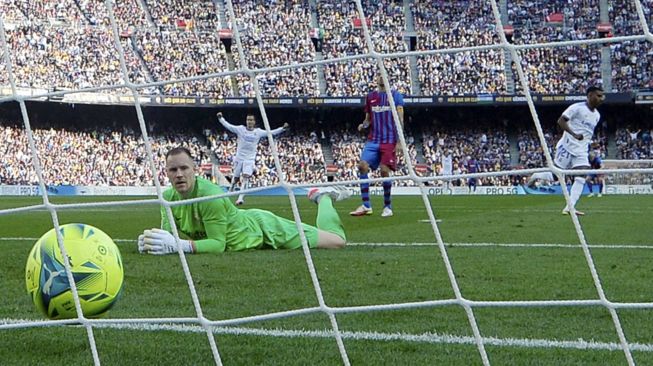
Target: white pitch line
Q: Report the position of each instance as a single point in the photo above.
(393, 244)
(429, 337)
(463, 209)
(87, 209)
(508, 245)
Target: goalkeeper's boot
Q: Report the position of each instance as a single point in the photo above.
(336, 193)
(362, 210)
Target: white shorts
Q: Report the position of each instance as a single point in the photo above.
(245, 167)
(564, 159)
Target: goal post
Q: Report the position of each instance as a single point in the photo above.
(628, 183)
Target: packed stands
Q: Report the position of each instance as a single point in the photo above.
(281, 37)
(561, 69)
(343, 38)
(300, 155)
(491, 149)
(452, 24)
(103, 157)
(69, 45)
(634, 144)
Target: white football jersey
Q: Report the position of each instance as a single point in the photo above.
(447, 165)
(581, 120)
(247, 139)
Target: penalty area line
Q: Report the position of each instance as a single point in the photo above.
(397, 244)
(429, 337)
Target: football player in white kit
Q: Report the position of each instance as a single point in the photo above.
(244, 161)
(578, 122)
(545, 178)
(447, 166)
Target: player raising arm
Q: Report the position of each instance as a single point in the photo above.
(447, 166)
(217, 225)
(245, 160)
(578, 122)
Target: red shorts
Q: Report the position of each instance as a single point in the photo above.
(375, 154)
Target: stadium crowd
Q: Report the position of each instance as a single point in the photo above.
(173, 55)
(279, 38)
(104, 157)
(635, 144)
(67, 58)
(127, 13)
(115, 156)
(490, 149)
(301, 158)
(531, 154)
(632, 60)
(69, 44)
(173, 14)
(452, 24)
(343, 38)
(562, 69)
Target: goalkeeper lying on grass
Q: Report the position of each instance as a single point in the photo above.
(216, 225)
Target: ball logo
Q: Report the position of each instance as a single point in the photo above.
(102, 249)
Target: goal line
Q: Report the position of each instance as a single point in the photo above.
(428, 337)
(416, 244)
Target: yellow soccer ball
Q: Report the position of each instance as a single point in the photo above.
(96, 268)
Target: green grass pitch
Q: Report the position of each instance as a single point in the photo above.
(233, 285)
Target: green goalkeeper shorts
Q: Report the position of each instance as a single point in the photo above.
(280, 233)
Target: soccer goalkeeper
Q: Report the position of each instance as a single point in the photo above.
(217, 225)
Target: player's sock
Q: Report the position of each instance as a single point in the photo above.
(590, 186)
(387, 189)
(576, 190)
(365, 191)
(244, 184)
(232, 187)
(328, 218)
(600, 187)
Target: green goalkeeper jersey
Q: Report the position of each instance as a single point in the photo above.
(215, 225)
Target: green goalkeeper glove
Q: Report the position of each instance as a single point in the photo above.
(160, 242)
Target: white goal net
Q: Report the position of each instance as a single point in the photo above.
(248, 74)
(629, 183)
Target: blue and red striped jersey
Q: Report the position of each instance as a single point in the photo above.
(596, 162)
(472, 166)
(382, 126)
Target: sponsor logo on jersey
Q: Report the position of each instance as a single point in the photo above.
(380, 108)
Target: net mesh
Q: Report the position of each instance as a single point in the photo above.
(249, 67)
